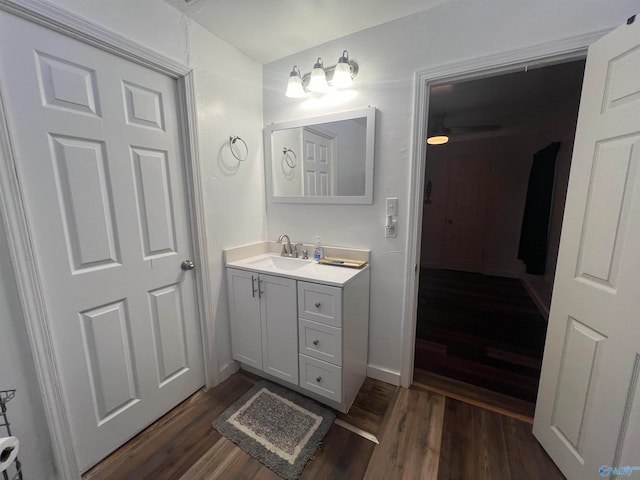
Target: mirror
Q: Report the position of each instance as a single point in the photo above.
(326, 159)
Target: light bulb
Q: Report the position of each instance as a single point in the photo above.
(342, 73)
(437, 140)
(294, 87)
(318, 81)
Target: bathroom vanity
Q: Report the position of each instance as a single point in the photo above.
(301, 324)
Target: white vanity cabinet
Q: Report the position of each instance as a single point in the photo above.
(333, 331)
(307, 327)
(263, 327)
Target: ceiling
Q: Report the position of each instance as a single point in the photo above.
(516, 101)
(267, 30)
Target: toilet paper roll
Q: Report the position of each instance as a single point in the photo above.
(8, 451)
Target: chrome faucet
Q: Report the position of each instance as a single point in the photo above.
(287, 250)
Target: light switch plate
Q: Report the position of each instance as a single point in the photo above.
(392, 206)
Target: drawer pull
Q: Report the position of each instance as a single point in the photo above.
(318, 379)
(318, 304)
(316, 342)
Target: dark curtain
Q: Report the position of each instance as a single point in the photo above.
(537, 209)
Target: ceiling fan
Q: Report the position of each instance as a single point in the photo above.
(439, 133)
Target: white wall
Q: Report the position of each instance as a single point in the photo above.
(17, 371)
(388, 56)
(229, 101)
(286, 180)
(351, 159)
(228, 104)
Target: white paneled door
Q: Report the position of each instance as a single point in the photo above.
(319, 158)
(588, 409)
(98, 149)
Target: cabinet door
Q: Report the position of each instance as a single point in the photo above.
(246, 328)
(320, 303)
(321, 377)
(278, 299)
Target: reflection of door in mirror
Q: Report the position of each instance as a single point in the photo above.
(319, 162)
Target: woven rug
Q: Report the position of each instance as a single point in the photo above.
(278, 427)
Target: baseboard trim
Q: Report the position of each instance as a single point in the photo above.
(535, 296)
(228, 369)
(384, 375)
(503, 273)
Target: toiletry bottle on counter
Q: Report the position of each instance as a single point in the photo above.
(318, 253)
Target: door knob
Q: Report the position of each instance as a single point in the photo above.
(187, 265)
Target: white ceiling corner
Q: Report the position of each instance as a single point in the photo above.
(267, 30)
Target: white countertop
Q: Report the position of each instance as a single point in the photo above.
(309, 270)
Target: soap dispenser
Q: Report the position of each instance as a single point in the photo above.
(318, 253)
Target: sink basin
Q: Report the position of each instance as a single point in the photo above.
(280, 263)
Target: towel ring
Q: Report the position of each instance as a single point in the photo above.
(233, 139)
(287, 158)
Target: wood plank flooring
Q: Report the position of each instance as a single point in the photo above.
(481, 330)
(422, 435)
(478, 396)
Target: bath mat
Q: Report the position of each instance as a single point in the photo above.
(276, 426)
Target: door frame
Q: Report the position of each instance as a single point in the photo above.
(19, 236)
(560, 51)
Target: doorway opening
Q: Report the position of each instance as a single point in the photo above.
(491, 218)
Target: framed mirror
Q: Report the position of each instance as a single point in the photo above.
(325, 159)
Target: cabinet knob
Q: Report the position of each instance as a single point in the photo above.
(318, 379)
(316, 342)
(318, 304)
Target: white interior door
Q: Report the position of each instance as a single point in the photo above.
(465, 220)
(99, 162)
(588, 409)
(319, 154)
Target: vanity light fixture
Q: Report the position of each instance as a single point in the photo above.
(318, 80)
(294, 87)
(342, 74)
(321, 78)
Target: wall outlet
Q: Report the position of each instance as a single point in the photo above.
(390, 230)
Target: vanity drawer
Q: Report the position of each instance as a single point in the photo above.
(320, 303)
(321, 378)
(320, 341)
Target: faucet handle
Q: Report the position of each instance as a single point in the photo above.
(296, 250)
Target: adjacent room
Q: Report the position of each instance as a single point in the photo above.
(229, 248)
(484, 294)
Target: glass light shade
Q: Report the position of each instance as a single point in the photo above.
(318, 80)
(342, 75)
(294, 87)
(437, 140)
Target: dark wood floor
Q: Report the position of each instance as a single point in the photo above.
(422, 435)
(481, 330)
